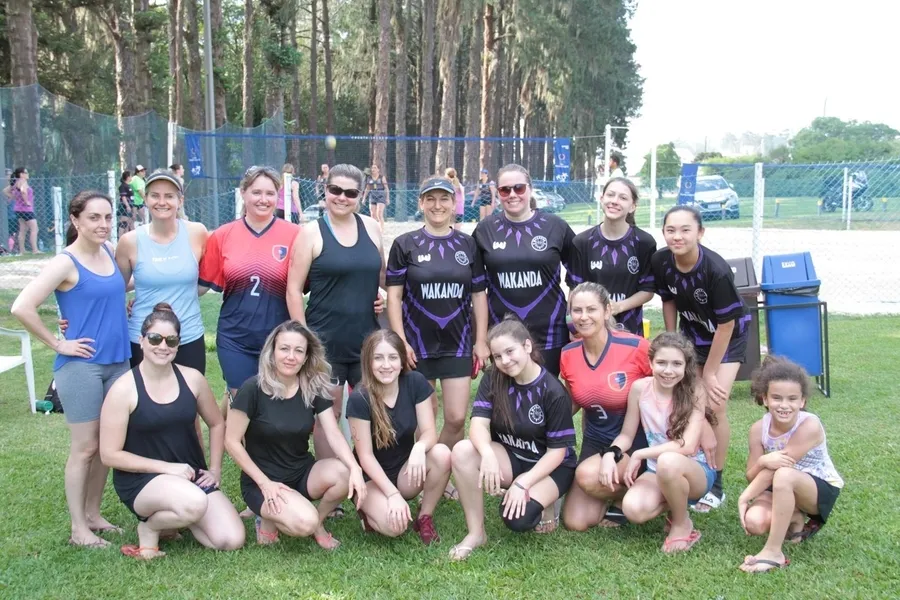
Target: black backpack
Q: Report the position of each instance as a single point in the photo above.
(52, 396)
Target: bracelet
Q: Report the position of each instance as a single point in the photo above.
(522, 487)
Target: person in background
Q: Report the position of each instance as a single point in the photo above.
(378, 194)
(125, 210)
(90, 293)
(178, 170)
(137, 187)
(459, 195)
(22, 196)
(484, 196)
(288, 169)
(148, 438)
(615, 165)
(321, 182)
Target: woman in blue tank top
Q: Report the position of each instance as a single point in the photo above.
(163, 257)
(342, 256)
(90, 293)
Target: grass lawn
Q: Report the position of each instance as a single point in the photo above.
(856, 555)
(793, 213)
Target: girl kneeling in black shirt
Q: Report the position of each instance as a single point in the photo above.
(521, 438)
(273, 413)
(384, 415)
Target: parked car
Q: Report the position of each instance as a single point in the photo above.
(548, 201)
(715, 198)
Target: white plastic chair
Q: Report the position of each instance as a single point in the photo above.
(11, 362)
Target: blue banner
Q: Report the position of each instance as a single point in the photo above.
(688, 183)
(561, 159)
(194, 155)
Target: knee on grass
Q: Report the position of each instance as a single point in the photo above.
(228, 538)
(528, 521)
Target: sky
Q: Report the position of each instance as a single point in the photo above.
(717, 66)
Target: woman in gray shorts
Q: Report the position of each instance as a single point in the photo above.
(90, 293)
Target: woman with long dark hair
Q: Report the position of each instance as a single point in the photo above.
(22, 196)
(90, 293)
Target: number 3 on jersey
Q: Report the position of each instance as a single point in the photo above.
(255, 280)
(599, 411)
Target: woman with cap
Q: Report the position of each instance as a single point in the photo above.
(436, 284)
(137, 187)
(163, 257)
(484, 196)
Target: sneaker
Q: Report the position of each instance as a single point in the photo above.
(424, 526)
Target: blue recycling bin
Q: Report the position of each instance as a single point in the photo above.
(795, 333)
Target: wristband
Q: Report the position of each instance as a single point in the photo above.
(616, 452)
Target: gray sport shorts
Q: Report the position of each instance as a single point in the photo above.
(82, 386)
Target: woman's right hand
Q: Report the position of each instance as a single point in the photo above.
(410, 355)
(181, 470)
(609, 471)
(398, 512)
(776, 460)
(274, 495)
(63, 325)
(80, 348)
(489, 474)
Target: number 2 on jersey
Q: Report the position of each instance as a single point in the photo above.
(255, 290)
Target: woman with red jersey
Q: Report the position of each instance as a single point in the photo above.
(598, 371)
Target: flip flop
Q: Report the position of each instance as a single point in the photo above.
(810, 529)
(452, 494)
(136, 552)
(548, 526)
(98, 545)
(264, 538)
(327, 542)
(337, 513)
(614, 517)
(460, 553)
(772, 564)
(690, 540)
(364, 521)
(707, 503)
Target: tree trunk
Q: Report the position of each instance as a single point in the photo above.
(313, 88)
(296, 112)
(426, 117)
(26, 113)
(450, 22)
(473, 98)
(195, 66)
(176, 90)
(116, 16)
(143, 29)
(329, 78)
(382, 85)
(401, 78)
(218, 59)
(247, 89)
(511, 112)
(499, 99)
(490, 66)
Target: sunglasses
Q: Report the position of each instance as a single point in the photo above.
(155, 339)
(519, 189)
(350, 194)
(255, 170)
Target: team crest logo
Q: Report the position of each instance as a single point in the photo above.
(536, 414)
(617, 380)
(700, 295)
(539, 243)
(461, 258)
(634, 265)
(279, 253)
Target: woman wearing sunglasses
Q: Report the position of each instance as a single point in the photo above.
(523, 251)
(147, 436)
(247, 260)
(342, 256)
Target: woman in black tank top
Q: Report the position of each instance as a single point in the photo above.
(341, 257)
(147, 436)
(377, 194)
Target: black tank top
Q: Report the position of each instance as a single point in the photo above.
(161, 431)
(377, 185)
(343, 284)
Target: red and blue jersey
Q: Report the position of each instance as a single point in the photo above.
(601, 389)
(250, 269)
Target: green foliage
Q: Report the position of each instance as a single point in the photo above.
(668, 163)
(829, 139)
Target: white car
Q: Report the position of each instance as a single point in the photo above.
(715, 197)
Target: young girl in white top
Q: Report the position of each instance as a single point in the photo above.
(672, 406)
(790, 472)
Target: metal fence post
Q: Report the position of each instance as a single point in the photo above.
(111, 188)
(238, 203)
(759, 201)
(170, 144)
(653, 186)
(59, 233)
(849, 203)
(844, 195)
(288, 195)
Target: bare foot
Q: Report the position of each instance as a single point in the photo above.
(87, 540)
(101, 525)
(463, 549)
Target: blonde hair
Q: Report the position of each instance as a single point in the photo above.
(450, 174)
(315, 373)
(589, 287)
(382, 430)
(254, 173)
(288, 168)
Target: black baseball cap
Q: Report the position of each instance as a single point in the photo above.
(436, 183)
(164, 175)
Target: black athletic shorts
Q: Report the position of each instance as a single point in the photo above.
(192, 354)
(376, 197)
(562, 475)
(132, 486)
(449, 367)
(254, 498)
(347, 373)
(551, 360)
(25, 215)
(735, 353)
(826, 496)
(392, 471)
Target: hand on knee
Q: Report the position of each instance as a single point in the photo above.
(528, 521)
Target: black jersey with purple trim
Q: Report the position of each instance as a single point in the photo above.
(622, 266)
(542, 417)
(522, 262)
(438, 275)
(705, 297)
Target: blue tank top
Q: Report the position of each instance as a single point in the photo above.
(166, 273)
(95, 308)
